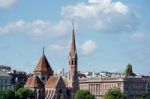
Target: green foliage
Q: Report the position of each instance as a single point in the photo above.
(84, 94)
(23, 93)
(114, 94)
(128, 71)
(18, 86)
(7, 94)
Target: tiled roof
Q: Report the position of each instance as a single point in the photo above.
(52, 81)
(34, 81)
(43, 65)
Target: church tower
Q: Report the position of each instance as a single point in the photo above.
(73, 81)
(43, 69)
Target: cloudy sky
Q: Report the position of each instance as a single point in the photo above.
(109, 33)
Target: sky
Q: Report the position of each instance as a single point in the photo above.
(109, 34)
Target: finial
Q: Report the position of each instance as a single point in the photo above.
(73, 24)
(43, 49)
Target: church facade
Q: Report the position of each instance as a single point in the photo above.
(46, 85)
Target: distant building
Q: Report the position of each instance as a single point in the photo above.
(18, 77)
(103, 74)
(5, 81)
(131, 86)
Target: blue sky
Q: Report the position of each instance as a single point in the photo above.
(109, 33)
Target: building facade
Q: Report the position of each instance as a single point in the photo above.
(5, 81)
(133, 87)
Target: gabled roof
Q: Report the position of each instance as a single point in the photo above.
(43, 65)
(55, 81)
(52, 81)
(34, 82)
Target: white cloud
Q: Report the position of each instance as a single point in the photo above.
(7, 3)
(102, 15)
(88, 47)
(99, 1)
(121, 8)
(137, 36)
(37, 28)
(57, 47)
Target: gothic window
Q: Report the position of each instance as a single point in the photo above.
(43, 78)
(75, 62)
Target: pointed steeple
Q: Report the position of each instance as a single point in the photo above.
(73, 42)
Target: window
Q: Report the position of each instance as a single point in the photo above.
(43, 78)
(5, 81)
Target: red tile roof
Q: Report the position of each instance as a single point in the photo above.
(52, 81)
(43, 65)
(34, 81)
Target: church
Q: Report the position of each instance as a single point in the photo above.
(46, 85)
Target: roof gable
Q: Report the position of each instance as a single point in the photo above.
(34, 81)
(43, 65)
(2, 73)
(54, 81)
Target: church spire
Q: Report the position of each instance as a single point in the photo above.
(72, 78)
(73, 43)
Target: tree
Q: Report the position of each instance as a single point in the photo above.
(84, 94)
(7, 94)
(23, 93)
(143, 96)
(128, 71)
(114, 94)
